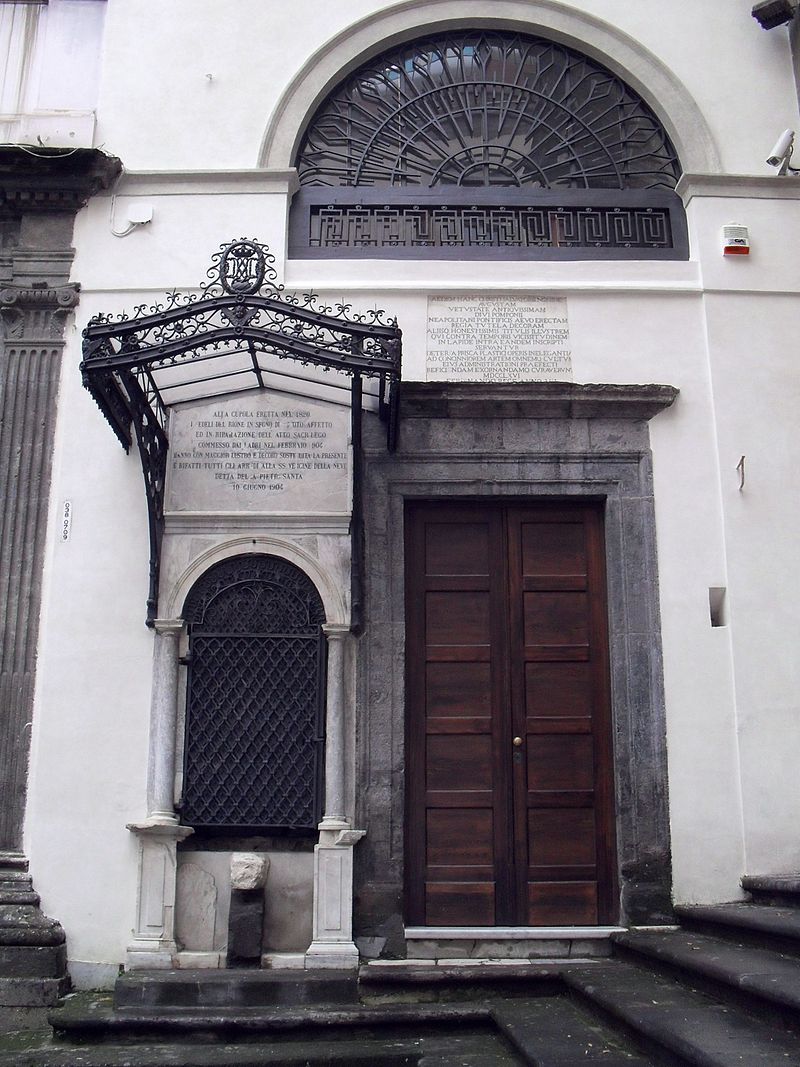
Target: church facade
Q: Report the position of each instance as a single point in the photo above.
(399, 433)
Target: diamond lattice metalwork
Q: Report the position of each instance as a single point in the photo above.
(253, 743)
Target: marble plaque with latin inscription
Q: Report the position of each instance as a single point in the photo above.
(260, 451)
(498, 339)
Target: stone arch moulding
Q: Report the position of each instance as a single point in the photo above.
(332, 600)
(622, 54)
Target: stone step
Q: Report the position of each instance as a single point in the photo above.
(548, 1031)
(556, 1032)
(687, 1026)
(781, 889)
(755, 975)
(539, 975)
(766, 924)
(468, 1050)
(231, 989)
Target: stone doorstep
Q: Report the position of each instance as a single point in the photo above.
(464, 971)
(480, 963)
(520, 943)
(510, 933)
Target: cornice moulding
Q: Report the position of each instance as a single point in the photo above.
(738, 186)
(208, 182)
(52, 180)
(532, 400)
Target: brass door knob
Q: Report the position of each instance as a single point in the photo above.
(517, 742)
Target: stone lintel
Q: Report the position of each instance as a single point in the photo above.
(532, 400)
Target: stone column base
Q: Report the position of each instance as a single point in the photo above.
(332, 945)
(153, 944)
(341, 955)
(33, 957)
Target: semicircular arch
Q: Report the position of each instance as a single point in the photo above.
(594, 37)
(324, 582)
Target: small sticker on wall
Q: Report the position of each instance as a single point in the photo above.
(66, 520)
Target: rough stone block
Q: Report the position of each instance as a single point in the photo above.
(248, 870)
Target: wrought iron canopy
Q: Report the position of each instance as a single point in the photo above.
(234, 335)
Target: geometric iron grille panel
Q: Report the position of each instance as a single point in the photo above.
(481, 108)
(370, 226)
(252, 756)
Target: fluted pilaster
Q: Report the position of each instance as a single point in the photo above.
(31, 341)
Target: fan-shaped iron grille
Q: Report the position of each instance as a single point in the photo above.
(486, 109)
(254, 734)
(486, 144)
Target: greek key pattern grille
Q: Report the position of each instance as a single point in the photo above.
(252, 745)
(370, 226)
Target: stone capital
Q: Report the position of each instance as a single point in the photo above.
(160, 827)
(335, 630)
(35, 315)
(174, 627)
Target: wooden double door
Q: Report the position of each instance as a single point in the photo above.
(509, 768)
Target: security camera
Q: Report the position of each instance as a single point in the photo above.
(782, 150)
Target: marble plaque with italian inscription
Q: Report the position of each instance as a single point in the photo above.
(498, 339)
(259, 452)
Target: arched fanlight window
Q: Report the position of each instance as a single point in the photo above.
(485, 139)
(253, 749)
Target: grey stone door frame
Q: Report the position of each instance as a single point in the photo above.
(525, 442)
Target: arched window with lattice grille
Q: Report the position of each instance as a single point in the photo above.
(254, 734)
(486, 144)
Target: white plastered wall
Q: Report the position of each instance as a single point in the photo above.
(731, 719)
